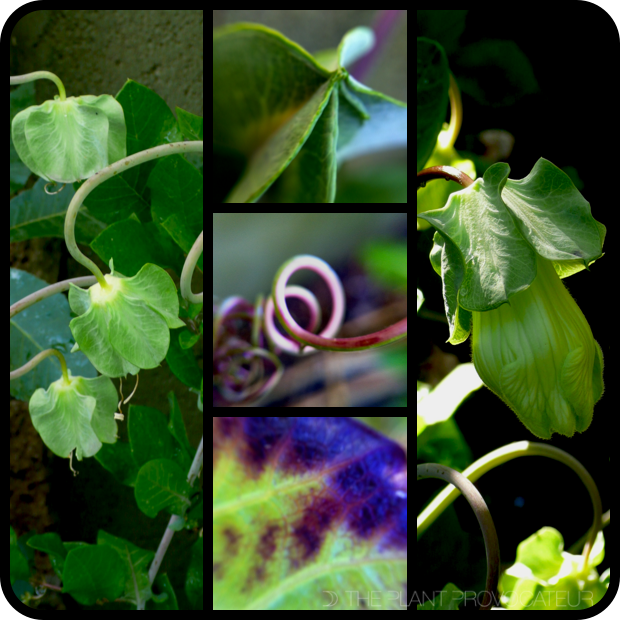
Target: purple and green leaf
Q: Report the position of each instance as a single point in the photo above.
(308, 513)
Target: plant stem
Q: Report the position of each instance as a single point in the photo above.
(40, 75)
(188, 270)
(481, 510)
(194, 472)
(448, 173)
(503, 455)
(456, 115)
(103, 175)
(48, 291)
(37, 359)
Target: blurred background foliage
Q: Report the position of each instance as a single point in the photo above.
(393, 427)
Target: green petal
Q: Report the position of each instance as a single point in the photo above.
(77, 414)
(71, 140)
(138, 333)
(103, 391)
(126, 326)
(537, 353)
(91, 334)
(156, 289)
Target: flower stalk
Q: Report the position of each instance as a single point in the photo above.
(448, 173)
(16, 80)
(107, 173)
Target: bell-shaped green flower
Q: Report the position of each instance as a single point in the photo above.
(501, 247)
(125, 326)
(67, 140)
(75, 413)
(537, 353)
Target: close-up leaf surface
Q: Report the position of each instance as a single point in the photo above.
(281, 115)
(308, 513)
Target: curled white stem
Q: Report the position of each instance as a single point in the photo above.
(188, 270)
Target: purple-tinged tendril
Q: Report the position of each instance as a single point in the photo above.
(281, 341)
(239, 354)
(323, 341)
(243, 369)
(335, 287)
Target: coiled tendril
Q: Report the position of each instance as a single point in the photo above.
(243, 370)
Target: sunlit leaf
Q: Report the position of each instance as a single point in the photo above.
(308, 513)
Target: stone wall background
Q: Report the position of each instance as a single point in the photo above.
(94, 52)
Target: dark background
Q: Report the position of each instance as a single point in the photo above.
(567, 116)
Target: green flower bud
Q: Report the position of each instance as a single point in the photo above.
(68, 140)
(537, 353)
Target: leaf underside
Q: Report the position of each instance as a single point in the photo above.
(308, 513)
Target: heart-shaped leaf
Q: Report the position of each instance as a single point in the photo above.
(279, 114)
(308, 513)
(489, 233)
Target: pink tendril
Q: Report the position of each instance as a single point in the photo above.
(243, 370)
(323, 340)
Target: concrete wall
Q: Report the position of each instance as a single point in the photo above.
(94, 52)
